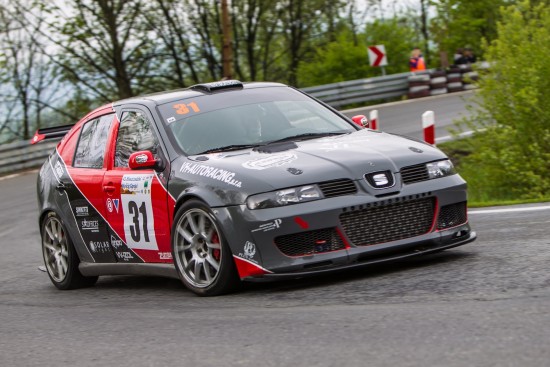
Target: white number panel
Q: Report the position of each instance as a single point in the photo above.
(139, 221)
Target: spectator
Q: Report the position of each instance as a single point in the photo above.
(459, 56)
(469, 56)
(416, 62)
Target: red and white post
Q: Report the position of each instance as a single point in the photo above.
(373, 117)
(428, 125)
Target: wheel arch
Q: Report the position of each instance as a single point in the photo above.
(43, 215)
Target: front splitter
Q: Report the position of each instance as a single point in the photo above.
(417, 250)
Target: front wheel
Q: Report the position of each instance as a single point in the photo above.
(202, 257)
(60, 257)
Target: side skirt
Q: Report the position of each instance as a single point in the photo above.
(159, 270)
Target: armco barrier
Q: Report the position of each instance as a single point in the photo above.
(414, 85)
(363, 90)
(22, 155)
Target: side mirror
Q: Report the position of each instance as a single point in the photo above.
(361, 120)
(141, 160)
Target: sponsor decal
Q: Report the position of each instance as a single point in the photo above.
(115, 203)
(99, 246)
(301, 222)
(142, 158)
(81, 211)
(210, 172)
(116, 243)
(89, 225)
(266, 227)
(59, 169)
(275, 160)
(165, 255)
(249, 250)
(136, 184)
(124, 255)
(328, 144)
(170, 119)
(112, 204)
(295, 171)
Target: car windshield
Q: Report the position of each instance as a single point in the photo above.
(245, 125)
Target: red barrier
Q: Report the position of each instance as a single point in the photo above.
(428, 125)
(373, 116)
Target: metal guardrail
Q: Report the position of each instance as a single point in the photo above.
(22, 155)
(363, 90)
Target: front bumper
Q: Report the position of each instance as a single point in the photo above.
(255, 235)
(423, 248)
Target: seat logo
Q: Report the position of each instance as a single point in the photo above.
(380, 180)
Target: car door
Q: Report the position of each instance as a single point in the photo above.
(83, 187)
(136, 200)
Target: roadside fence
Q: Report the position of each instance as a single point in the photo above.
(22, 155)
(413, 85)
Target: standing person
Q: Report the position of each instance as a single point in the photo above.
(469, 56)
(459, 57)
(416, 62)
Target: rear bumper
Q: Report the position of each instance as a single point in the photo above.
(422, 248)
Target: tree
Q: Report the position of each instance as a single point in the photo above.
(27, 82)
(102, 46)
(169, 22)
(254, 27)
(337, 61)
(464, 23)
(511, 159)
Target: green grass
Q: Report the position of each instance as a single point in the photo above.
(457, 151)
(483, 204)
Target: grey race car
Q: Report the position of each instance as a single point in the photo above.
(226, 181)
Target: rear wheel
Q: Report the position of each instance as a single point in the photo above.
(60, 257)
(202, 257)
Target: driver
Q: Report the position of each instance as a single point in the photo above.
(252, 127)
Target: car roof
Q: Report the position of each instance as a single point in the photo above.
(195, 91)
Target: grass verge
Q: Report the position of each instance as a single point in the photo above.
(458, 151)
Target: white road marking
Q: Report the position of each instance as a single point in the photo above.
(445, 138)
(17, 174)
(491, 211)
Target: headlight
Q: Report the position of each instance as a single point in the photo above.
(440, 169)
(293, 195)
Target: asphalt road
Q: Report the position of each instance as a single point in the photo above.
(406, 117)
(483, 304)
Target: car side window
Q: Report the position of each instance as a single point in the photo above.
(91, 144)
(134, 134)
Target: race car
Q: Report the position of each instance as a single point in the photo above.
(227, 182)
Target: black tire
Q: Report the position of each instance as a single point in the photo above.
(60, 257)
(202, 257)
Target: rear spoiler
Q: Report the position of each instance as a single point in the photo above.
(50, 133)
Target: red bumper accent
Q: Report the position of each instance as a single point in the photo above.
(247, 268)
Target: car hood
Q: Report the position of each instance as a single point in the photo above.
(311, 161)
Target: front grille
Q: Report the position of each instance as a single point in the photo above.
(338, 188)
(414, 174)
(452, 215)
(310, 242)
(388, 221)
